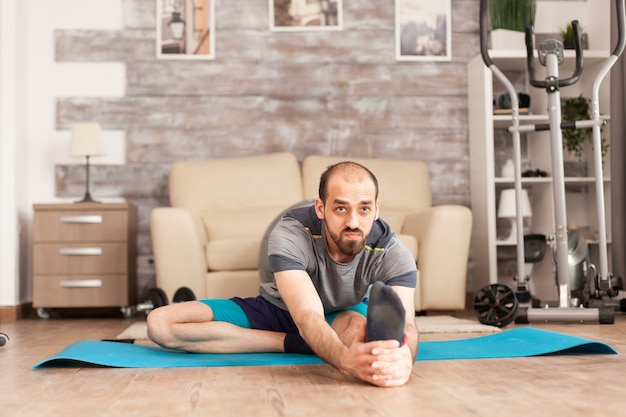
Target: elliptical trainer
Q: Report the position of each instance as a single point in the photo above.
(498, 305)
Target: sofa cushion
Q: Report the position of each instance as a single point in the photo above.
(395, 218)
(233, 254)
(234, 237)
(236, 198)
(411, 244)
(239, 224)
(254, 182)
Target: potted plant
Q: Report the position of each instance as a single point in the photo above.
(508, 22)
(573, 109)
(568, 37)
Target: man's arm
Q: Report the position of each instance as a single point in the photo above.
(381, 363)
(307, 311)
(305, 307)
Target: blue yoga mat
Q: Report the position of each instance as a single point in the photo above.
(514, 343)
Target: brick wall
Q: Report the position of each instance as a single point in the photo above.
(340, 93)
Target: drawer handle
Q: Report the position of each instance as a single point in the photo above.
(81, 219)
(80, 251)
(83, 283)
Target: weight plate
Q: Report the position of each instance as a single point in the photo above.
(157, 298)
(495, 305)
(183, 294)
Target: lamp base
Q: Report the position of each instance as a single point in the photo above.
(87, 199)
(512, 237)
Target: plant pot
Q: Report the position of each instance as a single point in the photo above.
(507, 39)
(569, 43)
(575, 168)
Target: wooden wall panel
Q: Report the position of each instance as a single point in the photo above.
(198, 112)
(169, 145)
(290, 79)
(241, 14)
(335, 92)
(81, 45)
(139, 14)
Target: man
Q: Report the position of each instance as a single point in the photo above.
(323, 258)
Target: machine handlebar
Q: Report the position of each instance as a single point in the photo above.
(484, 43)
(561, 82)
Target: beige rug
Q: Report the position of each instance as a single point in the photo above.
(449, 324)
(425, 325)
(136, 331)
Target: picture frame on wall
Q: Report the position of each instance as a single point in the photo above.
(305, 15)
(185, 29)
(423, 30)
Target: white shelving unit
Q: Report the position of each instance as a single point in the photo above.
(491, 145)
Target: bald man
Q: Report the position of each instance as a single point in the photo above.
(323, 259)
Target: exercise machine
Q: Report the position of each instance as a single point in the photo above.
(497, 304)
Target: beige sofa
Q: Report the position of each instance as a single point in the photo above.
(209, 239)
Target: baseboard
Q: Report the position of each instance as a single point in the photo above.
(13, 313)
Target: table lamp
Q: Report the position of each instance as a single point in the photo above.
(86, 142)
(507, 210)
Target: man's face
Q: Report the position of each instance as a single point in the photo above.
(349, 213)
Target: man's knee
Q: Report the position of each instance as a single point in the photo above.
(348, 323)
(164, 323)
(159, 327)
(356, 321)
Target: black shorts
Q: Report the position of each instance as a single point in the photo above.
(258, 313)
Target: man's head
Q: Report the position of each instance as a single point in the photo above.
(348, 167)
(348, 204)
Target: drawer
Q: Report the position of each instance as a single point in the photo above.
(80, 226)
(82, 291)
(73, 258)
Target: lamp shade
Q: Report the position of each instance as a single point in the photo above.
(177, 26)
(86, 140)
(507, 208)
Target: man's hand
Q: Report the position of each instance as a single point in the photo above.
(382, 363)
(393, 365)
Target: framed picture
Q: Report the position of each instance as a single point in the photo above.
(298, 15)
(423, 30)
(185, 29)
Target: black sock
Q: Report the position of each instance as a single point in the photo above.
(294, 343)
(385, 314)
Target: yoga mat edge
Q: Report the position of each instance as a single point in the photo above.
(513, 343)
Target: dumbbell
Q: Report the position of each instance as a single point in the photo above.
(156, 298)
(3, 339)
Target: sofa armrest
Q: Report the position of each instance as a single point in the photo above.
(443, 236)
(178, 243)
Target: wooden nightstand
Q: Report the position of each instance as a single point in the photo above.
(84, 256)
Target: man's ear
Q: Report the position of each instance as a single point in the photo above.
(319, 208)
(377, 209)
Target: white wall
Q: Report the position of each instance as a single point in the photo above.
(30, 146)
(552, 16)
(9, 230)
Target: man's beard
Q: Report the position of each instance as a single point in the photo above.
(348, 247)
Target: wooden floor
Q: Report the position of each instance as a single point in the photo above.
(591, 385)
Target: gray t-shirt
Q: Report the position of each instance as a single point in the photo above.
(298, 242)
